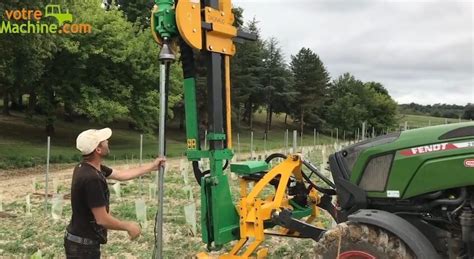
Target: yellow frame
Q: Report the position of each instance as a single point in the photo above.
(254, 211)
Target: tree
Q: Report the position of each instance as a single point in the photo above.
(283, 100)
(311, 81)
(6, 73)
(109, 74)
(121, 73)
(138, 11)
(247, 71)
(377, 87)
(7, 59)
(382, 110)
(274, 81)
(22, 61)
(345, 106)
(352, 102)
(468, 113)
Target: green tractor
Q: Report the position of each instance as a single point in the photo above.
(404, 195)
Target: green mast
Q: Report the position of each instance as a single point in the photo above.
(219, 217)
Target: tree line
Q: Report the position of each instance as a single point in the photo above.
(440, 110)
(113, 74)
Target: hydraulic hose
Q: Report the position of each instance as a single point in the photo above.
(310, 167)
(439, 202)
(198, 174)
(187, 60)
(450, 202)
(189, 71)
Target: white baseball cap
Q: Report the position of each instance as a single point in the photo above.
(88, 140)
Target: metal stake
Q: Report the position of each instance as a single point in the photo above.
(46, 178)
(161, 171)
(238, 144)
(251, 145)
(314, 138)
(166, 57)
(363, 131)
(141, 161)
(295, 139)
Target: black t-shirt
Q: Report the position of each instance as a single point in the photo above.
(88, 190)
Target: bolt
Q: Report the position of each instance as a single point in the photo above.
(208, 10)
(194, 30)
(223, 50)
(222, 13)
(210, 47)
(193, 6)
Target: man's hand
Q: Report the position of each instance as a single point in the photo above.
(124, 175)
(133, 230)
(158, 162)
(104, 219)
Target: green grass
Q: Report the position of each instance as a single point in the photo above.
(419, 121)
(23, 142)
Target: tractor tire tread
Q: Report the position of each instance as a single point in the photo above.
(357, 236)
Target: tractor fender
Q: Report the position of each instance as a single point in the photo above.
(412, 237)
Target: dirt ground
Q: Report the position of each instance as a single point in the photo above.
(22, 235)
(16, 183)
(22, 178)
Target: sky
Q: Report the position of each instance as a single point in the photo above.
(422, 51)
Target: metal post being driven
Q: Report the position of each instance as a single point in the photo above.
(46, 178)
(166, 57)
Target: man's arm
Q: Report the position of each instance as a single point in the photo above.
(109, 222)
(124, 175)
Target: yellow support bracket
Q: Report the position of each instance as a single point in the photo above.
(219, 39)
(254, 211)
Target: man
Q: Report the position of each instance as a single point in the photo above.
(90, 196)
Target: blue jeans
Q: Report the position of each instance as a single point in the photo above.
(79, 251)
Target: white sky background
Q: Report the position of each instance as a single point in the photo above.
(421, 51)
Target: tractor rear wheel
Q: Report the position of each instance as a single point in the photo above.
(360, 241)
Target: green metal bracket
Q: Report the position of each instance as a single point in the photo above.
(195, 155)
(223, 154)
(248, 167)
(215, 136)
(300, 211)
(190, 105)
(219, 217)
